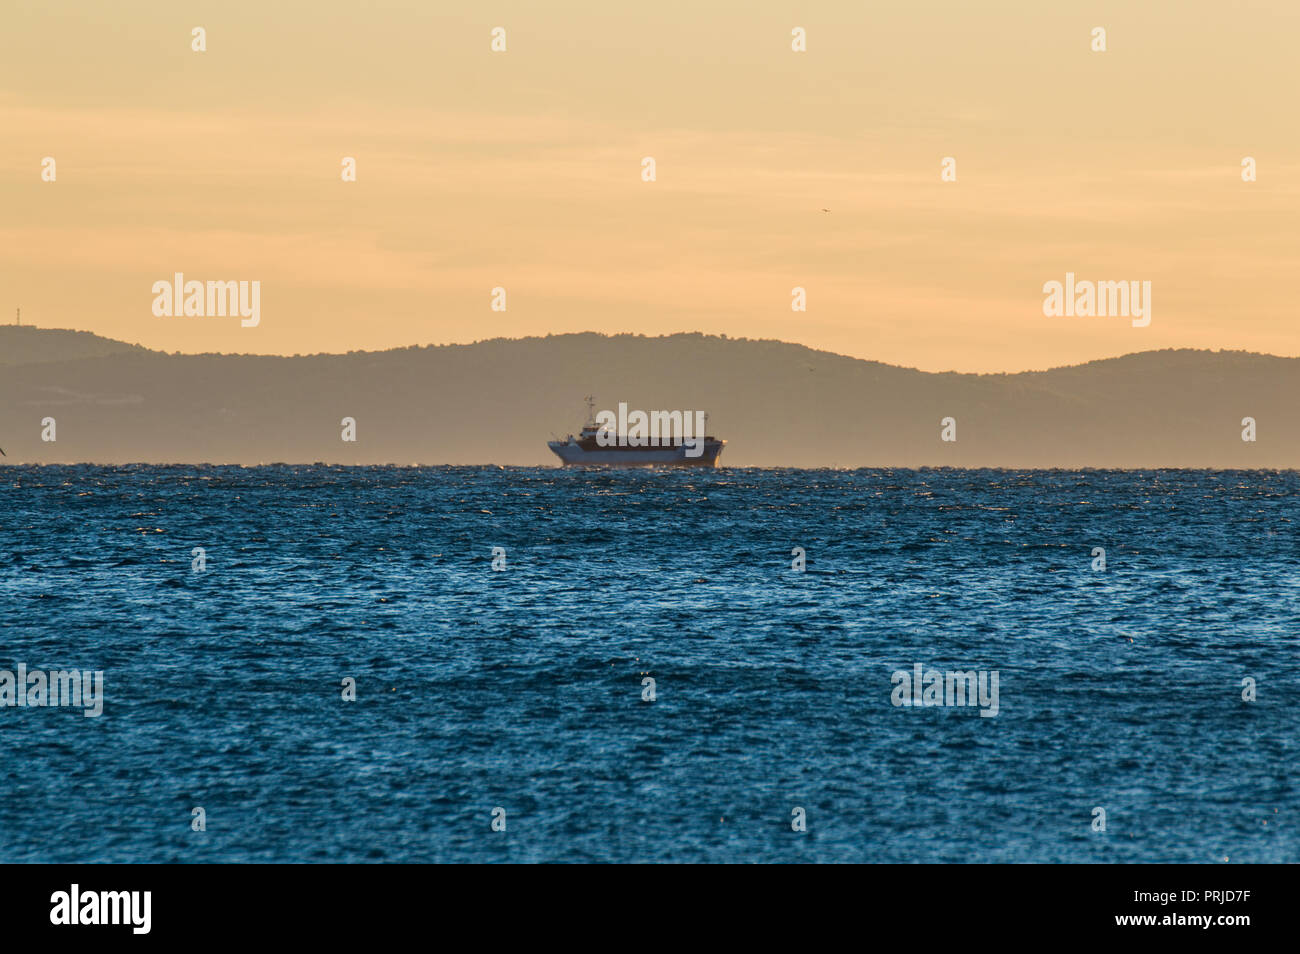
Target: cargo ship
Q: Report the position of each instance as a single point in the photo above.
(600, 445)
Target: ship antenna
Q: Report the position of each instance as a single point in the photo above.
(591, 409)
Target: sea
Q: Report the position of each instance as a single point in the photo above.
(484, 664)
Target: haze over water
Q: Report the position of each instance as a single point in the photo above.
(522, 688)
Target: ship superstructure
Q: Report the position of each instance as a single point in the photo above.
(601, 445)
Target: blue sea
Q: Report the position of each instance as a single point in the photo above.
(518, 694)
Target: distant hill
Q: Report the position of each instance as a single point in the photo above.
(498, 401)
(27, 345)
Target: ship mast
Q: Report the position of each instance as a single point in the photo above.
(591, 409)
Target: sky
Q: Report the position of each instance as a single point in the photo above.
(522, 170)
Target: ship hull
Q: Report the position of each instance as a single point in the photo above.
(574, 455)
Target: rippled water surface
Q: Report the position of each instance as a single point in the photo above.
(522, 688)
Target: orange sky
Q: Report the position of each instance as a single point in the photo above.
(522, 169)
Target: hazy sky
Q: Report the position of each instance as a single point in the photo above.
(523, 170)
